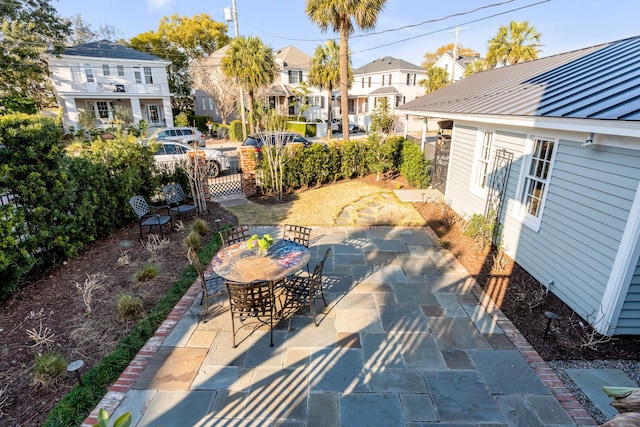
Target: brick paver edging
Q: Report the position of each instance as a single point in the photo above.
(117, 391)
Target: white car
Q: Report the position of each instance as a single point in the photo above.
(170, 153)
(185, 135)
(334, 124)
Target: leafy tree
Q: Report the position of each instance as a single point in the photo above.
(325, 72)
(343, 16)
(301, 93)
(381, 118)
(430, 58)
(28, 29)
(182, 40)
(437, 78)
(250, 63)
(517, 42)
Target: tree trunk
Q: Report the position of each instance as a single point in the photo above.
(344, 81)
(329, 122)
(252, 129)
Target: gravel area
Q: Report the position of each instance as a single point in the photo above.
(630, 367)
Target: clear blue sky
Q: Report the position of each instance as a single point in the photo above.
(564, 24)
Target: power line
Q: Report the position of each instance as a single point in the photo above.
(453, 26)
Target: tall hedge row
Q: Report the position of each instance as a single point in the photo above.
(320, 164)
(52, 204)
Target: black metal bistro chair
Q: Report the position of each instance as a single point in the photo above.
(148, 219)
(297, 233)
(229, 236)
(175, 197)
(251, 300)
(302, 290)
(212, 287)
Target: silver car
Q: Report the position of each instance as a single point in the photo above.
(170, 153)
(185, 135)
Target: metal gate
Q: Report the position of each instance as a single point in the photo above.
(440, 166)
(498, 189)
(229, 182)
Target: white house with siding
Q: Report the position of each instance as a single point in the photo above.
(386, 77)
(571, 199)
(101, 75)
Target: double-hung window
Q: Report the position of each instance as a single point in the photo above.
(88, 72)
(120, 69)
(105, 70)
(148, 77)
(535, 179)
(137, 75)
(480, 169)
(295, 77)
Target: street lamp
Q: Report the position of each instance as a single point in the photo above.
(232, 15)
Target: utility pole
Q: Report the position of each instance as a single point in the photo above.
(234, 16)
(455, 50)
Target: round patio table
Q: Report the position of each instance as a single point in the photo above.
(239, 263)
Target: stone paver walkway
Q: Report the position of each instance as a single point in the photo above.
(407, 339)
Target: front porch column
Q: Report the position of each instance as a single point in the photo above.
(406, 126)
(168, 114)
(136, 110)
(424, 133)
(70, 118)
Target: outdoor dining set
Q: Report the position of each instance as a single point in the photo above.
(264, 283)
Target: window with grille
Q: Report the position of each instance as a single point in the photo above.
(105, 70)
(537, 174)
(481, 162)
(88, 72)
(120, 70)
(315, 101)
(295, 77)
(137, 75)
(148, 77)
(103, 110)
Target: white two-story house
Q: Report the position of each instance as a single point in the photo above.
(101, 75)
(455, 68)
(293, 67)
(387, 77)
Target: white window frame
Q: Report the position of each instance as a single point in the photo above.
(315, 101)
(106, 71)
(210, 104)
(120, 70)
(89, 74)
(137, 74)
(204, 103)
(482, 162)
(527, 179)
(148, 75)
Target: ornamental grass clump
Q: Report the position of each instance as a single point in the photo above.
(147, 273)
(200, 226)
(48, 369)
(129, 307)
(193, 241)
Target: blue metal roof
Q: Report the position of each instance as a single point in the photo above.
(598, 82)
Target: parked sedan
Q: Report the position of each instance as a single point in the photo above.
(353, 128)
(274, 138)
(169, 153)
(185, 135)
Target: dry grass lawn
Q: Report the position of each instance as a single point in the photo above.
(321, 206)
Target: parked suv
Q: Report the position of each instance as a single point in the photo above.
(184, 135)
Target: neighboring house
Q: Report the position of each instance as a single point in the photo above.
(455, 68)
(553, 146)
(293, 67)
(387, 77)
(204, 105)
(101, 75)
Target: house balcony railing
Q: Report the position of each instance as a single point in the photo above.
(104, 88)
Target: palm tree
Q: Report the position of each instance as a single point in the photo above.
(250, 63)
(325, 72)
(437, 77)
(343, 16)
(515, 43)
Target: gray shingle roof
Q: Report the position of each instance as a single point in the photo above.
(107, 49)
(292, 57)
(598, 82)
(386, 63)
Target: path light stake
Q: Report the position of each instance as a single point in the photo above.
(550, 316)
(217, 221)
(75, 367)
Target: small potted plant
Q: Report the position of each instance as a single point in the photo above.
(260, 244)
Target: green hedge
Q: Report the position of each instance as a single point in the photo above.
(235, 130)
(55, 204)
(320, 164)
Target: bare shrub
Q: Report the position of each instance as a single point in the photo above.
(91, 284)
(500, 261)
(41, 337)
(124, 259)
(154, 245)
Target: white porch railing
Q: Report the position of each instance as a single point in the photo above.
(114, 88)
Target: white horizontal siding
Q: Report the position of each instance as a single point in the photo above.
(629, 321)
(587, 207)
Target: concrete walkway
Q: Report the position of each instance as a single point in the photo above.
(407, 339)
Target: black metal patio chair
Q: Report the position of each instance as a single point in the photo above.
(251, 300)
(148, 219)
